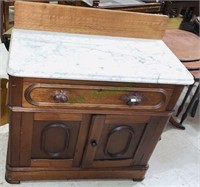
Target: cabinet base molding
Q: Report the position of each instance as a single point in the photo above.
(14, 175)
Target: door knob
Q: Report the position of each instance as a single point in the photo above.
(93, 143)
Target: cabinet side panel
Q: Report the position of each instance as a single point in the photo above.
(14, 139)
(149, 140)
(174, 98)
(26, 140)
(15, 91)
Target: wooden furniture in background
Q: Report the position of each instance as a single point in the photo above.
(175, 8)
(1, 21)
(186, 46)
(6, 17)
(132, 5)
(194, 68)
(3, 85)
(6, 21)
(187, 10)
(7, 5)
(3, 109)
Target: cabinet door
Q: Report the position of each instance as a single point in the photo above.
(113, 140)
(56, 140)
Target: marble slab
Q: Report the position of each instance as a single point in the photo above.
(42, 54)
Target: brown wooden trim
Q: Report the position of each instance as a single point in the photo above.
(111, 119)
(100, 106)
(64, 163)
(113, 163)
(26, 141)
(57, 116)
(174, 98)
(15, 88)
(58, 18)
(149, 140)
(96, 129)
(13, 174)
(14, 138)
(30, 86)
(28, 81)
(25, 169)
(82, 138)
(92, 111)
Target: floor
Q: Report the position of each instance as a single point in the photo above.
(174, 163)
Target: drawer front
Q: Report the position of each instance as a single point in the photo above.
(82, 96)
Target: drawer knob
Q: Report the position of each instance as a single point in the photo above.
(60, 97)
(63, 99)
(134, 100)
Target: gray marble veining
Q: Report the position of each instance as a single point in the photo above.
(42, 54)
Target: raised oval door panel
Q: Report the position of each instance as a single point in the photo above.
(58, 139)
(113, 140)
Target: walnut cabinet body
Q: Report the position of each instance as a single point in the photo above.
(67, 129)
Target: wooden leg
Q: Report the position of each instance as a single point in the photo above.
(11, 181)
(138, 180)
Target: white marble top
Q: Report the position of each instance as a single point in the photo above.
(42, 54)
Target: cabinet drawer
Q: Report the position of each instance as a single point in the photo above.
(83, 96)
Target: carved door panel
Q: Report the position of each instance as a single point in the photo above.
(113, 140)
(58, 139)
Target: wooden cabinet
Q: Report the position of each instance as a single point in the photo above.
(54, 137)
(113, 140)
(80, 111)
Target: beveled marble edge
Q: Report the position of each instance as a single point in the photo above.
(42, 54)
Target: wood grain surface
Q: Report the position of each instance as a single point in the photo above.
(70, 19)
